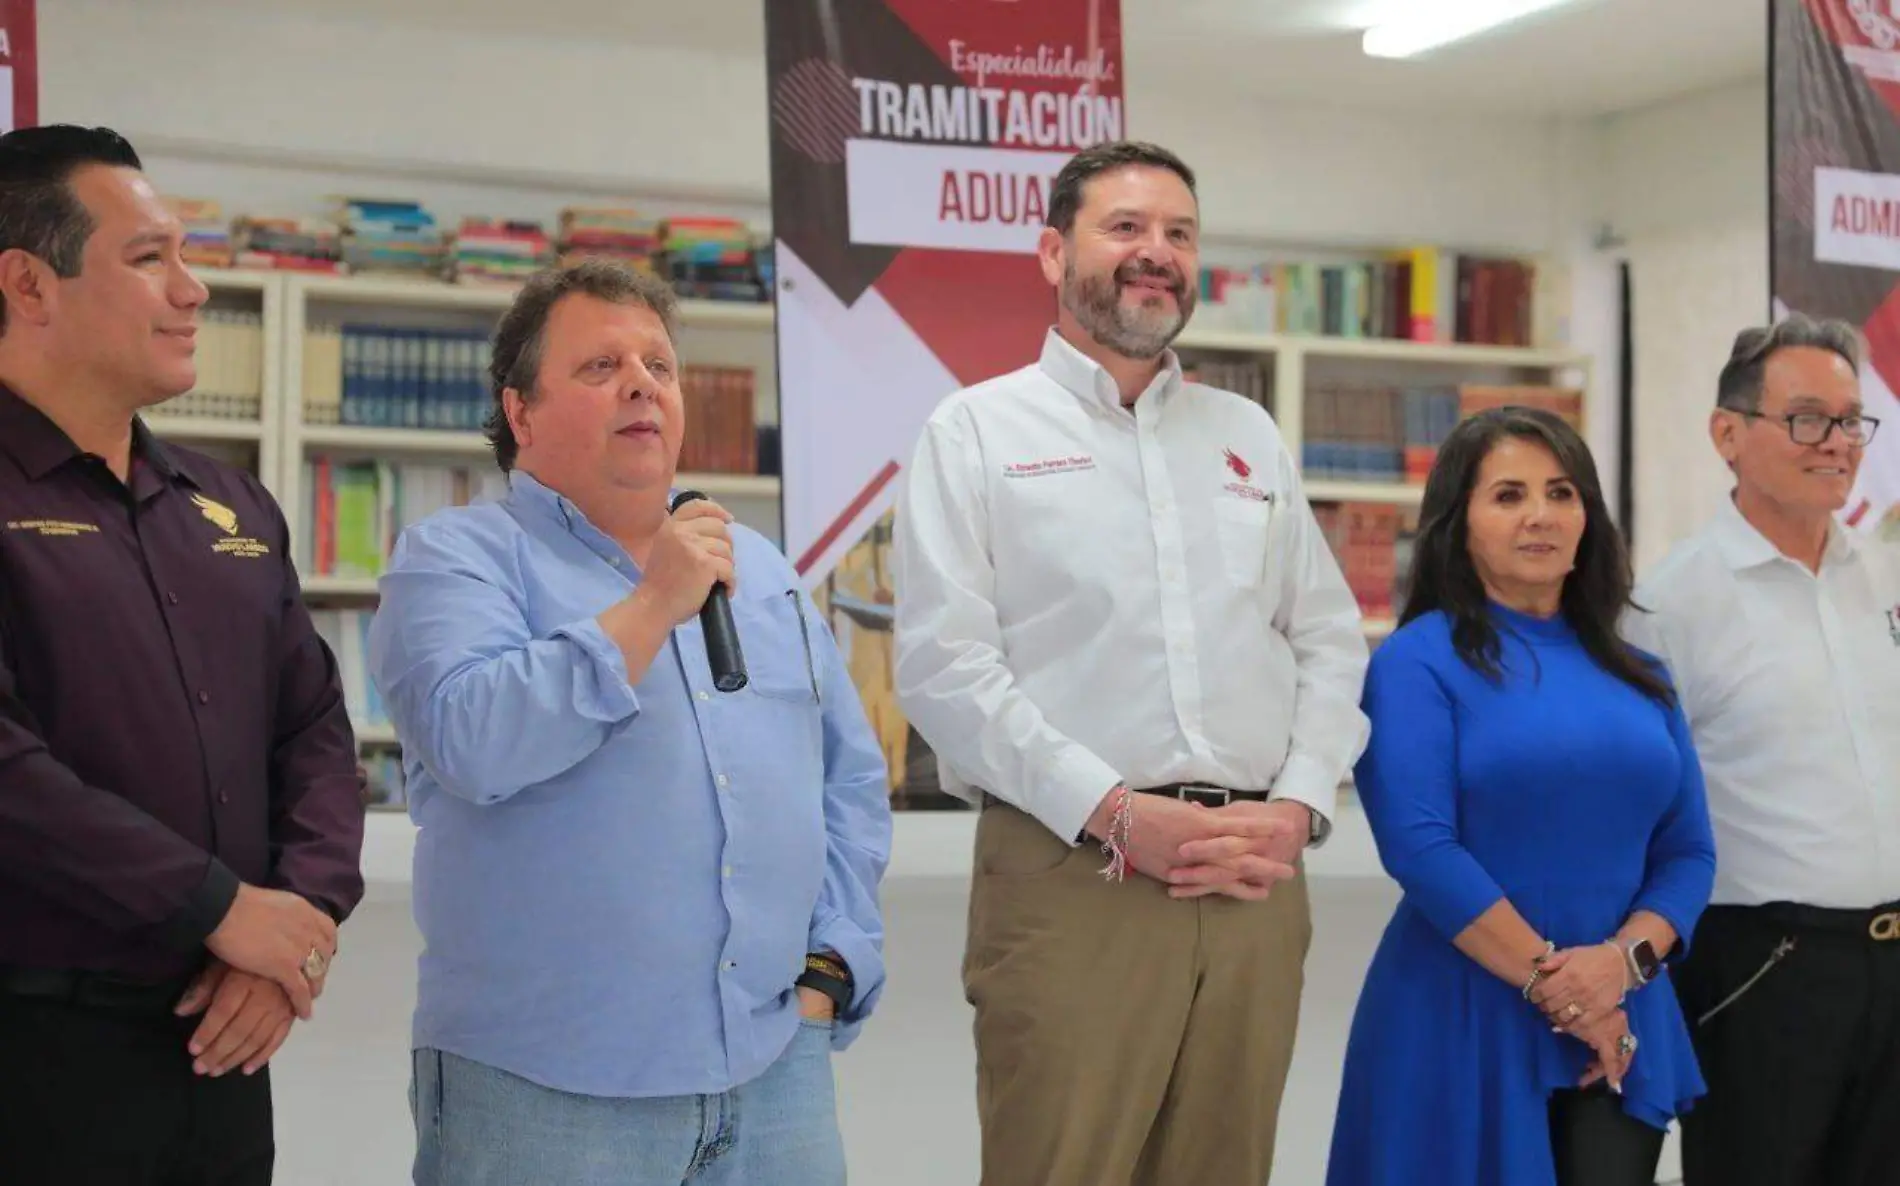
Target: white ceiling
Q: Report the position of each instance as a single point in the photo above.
(1585, 58)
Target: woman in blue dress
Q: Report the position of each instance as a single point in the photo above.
(1533, 789)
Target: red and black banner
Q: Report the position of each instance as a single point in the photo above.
(913, 147)
(19, 66)
(1834, 205)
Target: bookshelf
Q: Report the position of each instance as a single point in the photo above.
(281, 438)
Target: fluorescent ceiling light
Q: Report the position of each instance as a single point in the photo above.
(1441, 22)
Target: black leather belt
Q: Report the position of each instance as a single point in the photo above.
(93, 990)
(1881, 924)
(1202, 793)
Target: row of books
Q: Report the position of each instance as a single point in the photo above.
(1420, 294)
(1248, 377)
(230, 360)
(1373, 543)
(704, 257)
(381, 376)
(354, 510)
(1359, 433)
(722, 436)
(346, 632)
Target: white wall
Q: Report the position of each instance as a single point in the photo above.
(530, 122)
(1685, 184)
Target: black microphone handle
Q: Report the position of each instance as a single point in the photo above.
(723, 653)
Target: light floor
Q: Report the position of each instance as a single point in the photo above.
(906, 1090)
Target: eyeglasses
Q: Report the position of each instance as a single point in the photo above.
(1813, 428)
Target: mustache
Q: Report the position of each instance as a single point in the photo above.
(1141, 269)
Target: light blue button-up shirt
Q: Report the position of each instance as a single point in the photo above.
(617, 883)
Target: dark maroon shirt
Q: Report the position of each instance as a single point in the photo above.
(170, 722)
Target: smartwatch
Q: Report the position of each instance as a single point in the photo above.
(1644, 963)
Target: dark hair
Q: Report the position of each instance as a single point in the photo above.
(1444, 578)
(39, 213)
(1739, 387)
(521, 339)
(1065, 196)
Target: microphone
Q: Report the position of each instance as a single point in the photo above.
(715, 620)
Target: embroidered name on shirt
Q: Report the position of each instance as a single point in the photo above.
(241, 546)
(1247, 490)
(52, 527)
(1054, 465)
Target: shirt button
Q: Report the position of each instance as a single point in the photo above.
(224, 796)
(722, 780)
(726, 872)
(703, 696)
(204, 697)
(172, 597)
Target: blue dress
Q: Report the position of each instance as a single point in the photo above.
(1564, 790)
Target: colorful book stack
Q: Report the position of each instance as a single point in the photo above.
(207, 232)
(295, 244)
(1392, 434)
(384, 376)
(354, 510)
(721, 436)
(391, 236)
(499, 251)
(1373, 544)
(711, 259)
(613, 231)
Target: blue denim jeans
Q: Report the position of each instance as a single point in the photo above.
(478, 1126)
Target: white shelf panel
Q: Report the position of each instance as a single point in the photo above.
(235, 279)
(1385, 349)
(434, 442)
(436, 294)
(204, 428)
(379, 736)
(1396, 493)
(923, 844)
(333, 586)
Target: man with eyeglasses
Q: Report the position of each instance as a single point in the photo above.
(1775, 622)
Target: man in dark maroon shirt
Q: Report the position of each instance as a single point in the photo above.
(180, 806)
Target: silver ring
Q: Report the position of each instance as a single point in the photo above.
(1572, 1011)
(315, 965)
(1626, 1045)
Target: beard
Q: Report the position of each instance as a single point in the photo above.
(1142, 332)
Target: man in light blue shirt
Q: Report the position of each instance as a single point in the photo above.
(649, 907)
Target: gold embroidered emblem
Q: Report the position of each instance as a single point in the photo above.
(218, 513)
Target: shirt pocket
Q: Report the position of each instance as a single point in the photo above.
(776, 639)
(1242, 527)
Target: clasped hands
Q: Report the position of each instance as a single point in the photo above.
(1241, 850)
(1581, 993)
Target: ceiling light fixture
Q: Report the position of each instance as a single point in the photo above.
(1444, 21)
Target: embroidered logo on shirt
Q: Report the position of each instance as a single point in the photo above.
(218, 513)
(1238, 464)
(1054, 465)
(52, 527)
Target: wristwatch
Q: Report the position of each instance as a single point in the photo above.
(1644, 963)
(828, 974)
(1318, 829)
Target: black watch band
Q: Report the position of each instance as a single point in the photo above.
(829, 975)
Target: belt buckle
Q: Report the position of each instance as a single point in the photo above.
(1207, 796)
(1885, 928)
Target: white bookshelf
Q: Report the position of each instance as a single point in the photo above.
(263, 291)
(928, 843)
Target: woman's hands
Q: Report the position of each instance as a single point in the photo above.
(1582, 986)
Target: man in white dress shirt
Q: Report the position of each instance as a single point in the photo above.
(1782, 631)
(1109, 578)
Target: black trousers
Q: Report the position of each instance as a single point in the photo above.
(107, 1097)
(1796, 1019)
(1594, 1142)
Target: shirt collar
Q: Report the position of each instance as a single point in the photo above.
(41, 446)
(1087, 379)
(544, 502)
(1744, 547)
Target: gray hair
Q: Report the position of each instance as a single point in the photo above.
(521, 339)
(1739, 387)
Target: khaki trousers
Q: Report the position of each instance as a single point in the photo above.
(1124, 1038)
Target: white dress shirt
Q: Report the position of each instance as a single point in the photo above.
(1791, 682)
(1088, 594)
